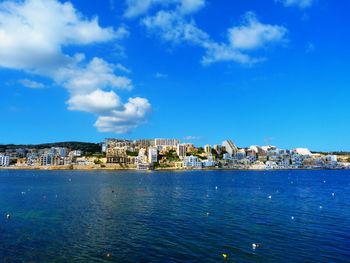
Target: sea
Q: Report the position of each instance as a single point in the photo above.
(175, 216)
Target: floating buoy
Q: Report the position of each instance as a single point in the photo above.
(292, 217)
(8, 216)
(255, 245)
(207, 213)
(270, 196)
(333, 194)
(109, 255)
(321, 206)
(324, 181)
(225, 256)
(216, 188)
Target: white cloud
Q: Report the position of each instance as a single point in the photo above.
(174, 27)
(122, 68)
(190, 6)
(159, 75)
(33, 37)
(252, 34)
(31, 84)
(34, 32)
(98, 102)
(139, 7)
(298, 3)
(190, 138)
(96, 74)
(134, 113)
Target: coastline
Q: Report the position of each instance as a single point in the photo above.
(124, 168)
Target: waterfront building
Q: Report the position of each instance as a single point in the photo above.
(46, 159)
(209, 162)
(181, 150)
(230, 147)
(4, 160)
(152, 155)
(142, 156)
(192, 162)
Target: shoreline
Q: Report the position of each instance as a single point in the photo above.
(120, 168)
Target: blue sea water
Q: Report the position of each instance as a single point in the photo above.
(74, 216)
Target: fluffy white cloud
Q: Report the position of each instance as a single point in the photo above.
(174, 27)
(33, 37)
(31, 84)
(135, 111)
(252, 34)
(33, 33)
(96, 74)
(98, 102)
(298, 3)
(140, 7)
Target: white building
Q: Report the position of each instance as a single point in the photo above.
(142, 157)
(181, 150)
(230, 147)
(210, 162)
(4, 160)
(192, 161)
(152, 155)
(302, 151)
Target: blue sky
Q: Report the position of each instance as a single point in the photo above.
(257, 72)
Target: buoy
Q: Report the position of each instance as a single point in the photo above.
(207, 213)
(8, 216)
(270, 196)
(324, 181)
(225, 256)
(216, 188)
(292, 217)
(254, 246)
(109, 255)
(321, 206)
(333, 194)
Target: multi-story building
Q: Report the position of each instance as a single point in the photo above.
(46, 159)
(192, 161)
(210, 162)
(164, 143)
(4, 160)
(181, 150)
(207, 148)
(152, 155)
(230, 147)
(116, 155)
(143, 143)
(217, 148)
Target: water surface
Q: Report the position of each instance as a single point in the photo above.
(74, 216)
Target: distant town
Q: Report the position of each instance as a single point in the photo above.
(162, 154)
